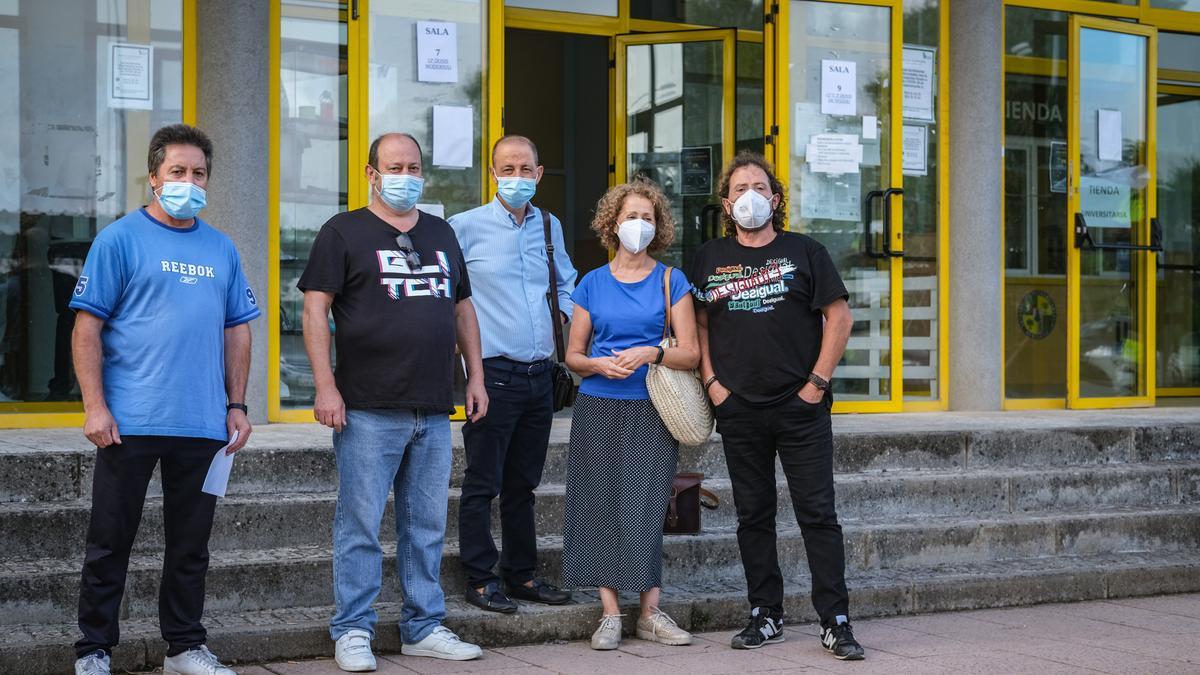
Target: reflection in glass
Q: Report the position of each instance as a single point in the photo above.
(71, 162)
(1035, 206)
(1185, 5)
(312, 167)
(1178, 307)
(826, 204)
(714, 13)
(1112, 194)
(673, 126)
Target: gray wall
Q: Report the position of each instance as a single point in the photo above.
(232, 109)
(976, 141)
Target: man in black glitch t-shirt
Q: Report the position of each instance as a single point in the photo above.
(773, 325)
(397, 284)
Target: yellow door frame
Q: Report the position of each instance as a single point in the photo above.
(1147, 285)
(728, 39)
(896, 179)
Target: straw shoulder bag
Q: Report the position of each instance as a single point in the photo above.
(678, 395)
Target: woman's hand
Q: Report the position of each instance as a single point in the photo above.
(608, 367)
(635, 357)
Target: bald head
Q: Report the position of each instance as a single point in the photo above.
(391, 142)
(514, 142)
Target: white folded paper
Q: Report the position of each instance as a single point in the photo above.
(218, 472)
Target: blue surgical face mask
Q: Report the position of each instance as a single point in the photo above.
(181, 201)
(401, 191)
(516, 191)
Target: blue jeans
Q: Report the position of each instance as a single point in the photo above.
(377, 451)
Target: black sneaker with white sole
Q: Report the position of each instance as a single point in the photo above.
(763, 629)
(839, 641)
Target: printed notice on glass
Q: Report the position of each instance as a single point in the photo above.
(1104, 203)
(829, 197)
(438, 210)
(833, 153)
(838, 87)
(130, 79)
(453, 131)
(920, 74)
(696, 165)
(437, 51)
(1108, 135)
(915, 150)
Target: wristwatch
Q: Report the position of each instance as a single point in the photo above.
(237, 406)
(818, 381)
(661, 352)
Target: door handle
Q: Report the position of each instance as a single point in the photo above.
(868, 238)
(1083, 238)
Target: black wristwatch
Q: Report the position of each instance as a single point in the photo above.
(661, 352)
(818, 381)
(237, 406)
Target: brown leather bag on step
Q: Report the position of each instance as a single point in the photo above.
(683, 510)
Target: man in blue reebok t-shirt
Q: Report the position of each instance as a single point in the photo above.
(162, 353)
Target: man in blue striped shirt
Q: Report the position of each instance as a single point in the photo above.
(504, 246)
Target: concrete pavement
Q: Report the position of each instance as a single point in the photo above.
(1132, 635)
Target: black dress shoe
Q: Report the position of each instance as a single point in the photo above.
(491, 599)
(541, 592)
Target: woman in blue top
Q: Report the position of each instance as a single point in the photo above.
(622, 458)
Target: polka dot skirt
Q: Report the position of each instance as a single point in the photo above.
(619, 472)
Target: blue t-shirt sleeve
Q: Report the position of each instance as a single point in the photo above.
(680, 286)
(103, 280)
(240, 304)
(580, 296)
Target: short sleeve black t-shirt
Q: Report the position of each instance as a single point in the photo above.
(395, 327)
(764, 312)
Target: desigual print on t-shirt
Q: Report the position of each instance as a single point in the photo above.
(747, 288)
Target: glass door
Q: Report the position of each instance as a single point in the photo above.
(674, 124)
(1110, 264)
(845, 173)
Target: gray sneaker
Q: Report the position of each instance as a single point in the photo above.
(608, 635)
(661, 628)
(95, 663)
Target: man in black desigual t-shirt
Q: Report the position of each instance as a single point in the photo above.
(398, 287)
(773, 325)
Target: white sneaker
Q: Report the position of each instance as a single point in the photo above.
(353, 652)
(95, 663)
(195, 661)
(442, 643)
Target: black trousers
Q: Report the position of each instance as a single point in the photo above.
(505, 453)
(801, 434)
(118, 494)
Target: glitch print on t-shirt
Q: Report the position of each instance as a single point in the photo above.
(427, 280)
(749, 289)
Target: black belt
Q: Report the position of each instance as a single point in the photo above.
(534, 368)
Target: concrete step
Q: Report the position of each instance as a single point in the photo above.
(717, 604)
(51, 465)
(263, 521)
(278, 578)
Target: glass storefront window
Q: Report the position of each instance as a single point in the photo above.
(594, 7)
(1035, 203)
(922, 200)
(1178, 305)
(312, 166)
(72, 160)
(1185, 5)
(715, 13)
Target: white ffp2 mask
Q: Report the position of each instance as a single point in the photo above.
(635, 235)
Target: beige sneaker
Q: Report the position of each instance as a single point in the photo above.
(608, 635)
(661, 628)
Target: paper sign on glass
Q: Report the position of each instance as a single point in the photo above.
(870, 129)
(839, 87)
(437, 51)
(217, 478)
(915, 151)
(920, 73)
(130, 80)
(438, 210)
(834, 153)
(453, 132)
(830, 197)
(1108, 135)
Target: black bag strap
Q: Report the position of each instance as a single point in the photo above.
(555, 325)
